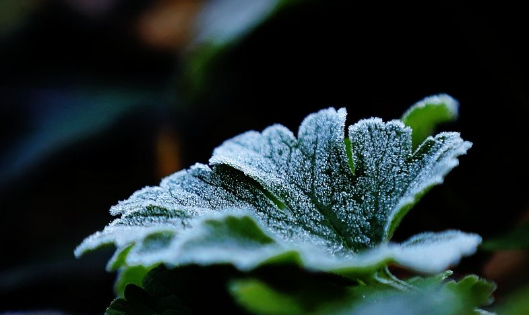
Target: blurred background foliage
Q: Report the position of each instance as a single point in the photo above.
(99, 98)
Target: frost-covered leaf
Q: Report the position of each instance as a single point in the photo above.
(348, 204)
(434, 252)
(318, 200)
(239, 240)
(425, 115)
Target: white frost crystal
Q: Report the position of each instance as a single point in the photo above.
(325, 201)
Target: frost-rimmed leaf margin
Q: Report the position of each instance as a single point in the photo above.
(426, 114)
(237, 238)
(309, 199)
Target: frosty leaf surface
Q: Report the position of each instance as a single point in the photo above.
(238, 239)
(351, 205)
(318, 199)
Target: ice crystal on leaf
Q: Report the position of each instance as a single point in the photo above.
(320, 199)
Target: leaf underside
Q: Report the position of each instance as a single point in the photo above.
(426, 114)
(319, 199)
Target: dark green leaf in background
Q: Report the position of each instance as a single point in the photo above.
(516, 239)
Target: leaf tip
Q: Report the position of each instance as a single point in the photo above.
(434, 252)
(449, 104)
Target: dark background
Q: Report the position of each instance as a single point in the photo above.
(95, 105)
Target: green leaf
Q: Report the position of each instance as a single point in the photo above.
(425, 115)
(477, 291)
(129, 275)
(165, 290)
(186, 290)
(137, 301)
(435, 279)
(453, 298)
(287, 289)
(214, 26)
(270, 197)
(259, 298)
(68, 120)
(517, 239)
(317, 296)
(298, 292)
(313, 297)
(431, 301)
(219, 30)
(516, 304)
